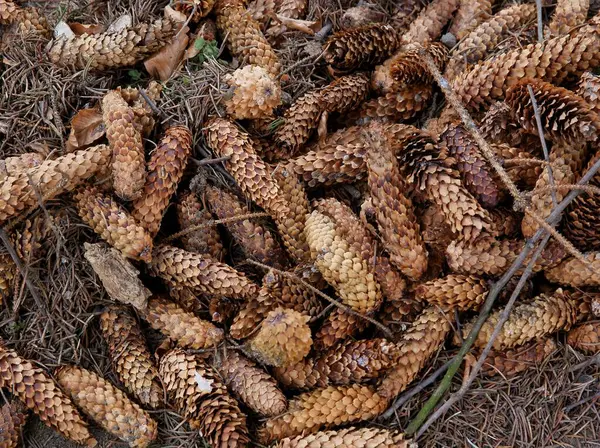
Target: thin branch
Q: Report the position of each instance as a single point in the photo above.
(589, 189)
(524, 161)
(572, 406)
(205, 162)
(540, 26)
(214, 222)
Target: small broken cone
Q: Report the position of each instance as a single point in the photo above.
(253, 93)
(87, 127)
(585, 337)
(163, 64)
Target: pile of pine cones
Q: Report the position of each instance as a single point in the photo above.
(428, 227)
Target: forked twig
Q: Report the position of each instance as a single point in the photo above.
(214, 222)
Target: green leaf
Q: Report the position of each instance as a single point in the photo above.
(135, 75)
(206, 49)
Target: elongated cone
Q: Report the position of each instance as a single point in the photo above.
(181, 326)
(165, 170)
(499, 127)
(568, 14)
(585, 337)
(40, 393)
(361, 15)
(113, 49)
(252, 94)
(256, 239)
(342, 266)
(129, 163)
(13, 416)
(395, 214)
(565, 116)
(201, 273)
(346, 92)
(404, 13)
(130, 356)
(291, 293)
(505, 222)
(16, 165)
(199, 395)
(283, 338)
(338, 325)
(206, 240)
(252, 385)
(108, 406)
(485, 37)
(409, 68)
(545, 315)
(589, 90)
(299, 122)
(397, 105)
(398, 313)
(430, 22)
(573, 272)
(361, 47)
(510, 362)
(8, 270)
(29, 20)
(144, 114)
(302, 375)
(254, 311)
(347, 438)
(470, 14)
(460, 292)
(323, 409)
(51, 178)
(417, 345)
(245, 40)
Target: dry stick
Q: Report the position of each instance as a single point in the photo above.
(582, 401)
(589, 189)
(214, 222)
(523, 161)
(204, 162)
(540, 26)
(388, 333)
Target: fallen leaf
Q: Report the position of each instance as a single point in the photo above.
(165, 62)
(82, 28)
(120, 24)
(86, 127)
(63, 30)
(177, 16)
(305, 26)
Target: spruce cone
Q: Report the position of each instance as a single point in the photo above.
(409, 68)
(198, 394)
(323, 409)
(347, 438)
(201, 273)
(8, 270)
(545, 315)
(573, 272)
(254, 311)
(251, 384)
(568, 14)
(430, 22)
(129, 163)
(51, 178)
(30, 20)
(338, 326)
(13, 415)
(397, 105)
(510, 362)
(8, 11)
(41, 394)
(112, 49)
(565, 117)
(191, 212)
(361, 47)
(589, 90)
(17, 165)
(165, 170)
(143, 114)
(245, 40)
(499, 127)
(346, 93)
(252, 94)
(301, 376)
(585, 338)
(283, 338)
(460, 292)
(470, 14)
(525, 174)
(294, 295)
(130, 356)
(108, 406)
(181, 326)
(417, 345)
(203, 8)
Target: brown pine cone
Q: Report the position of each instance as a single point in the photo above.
(586, 303)
(40, 393)
(114, 224)
(460, 292)
(200, 8)
(16, 165)
(252, 385)
(525, 174)
(291, 293)
(505, 222)
(589, 90)
(51, 178)
(568, 14)
(397, 105)
(283, 338)
(113, 49)
(129, 163)
(435, 230)
(395, 214)
(510, 362)
(346, 93)
(191, 212)
(397, 314)
(108, 406)
(8, 270)
(470, 14)
(301, 376)
(254, 311)
(499, 127)
(337, 326)
(409, 68)
(181, 326)
(404, 13)
(13, 415)
(430, 22)
(347, 438)
(143, 114)
(165, 170)
(546, 314)
(362, 47)
(130, 356)
(252, 93)
(323, 409)
(8, 11)
(245, 40)
(585, 338)
(201, 273)
(573, 272)
(565, 117)
(199, 395)
(477, 176)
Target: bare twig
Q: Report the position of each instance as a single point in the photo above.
(585, 364)
(572, 406)
(540, 26)
(214, 222)
(205, 162)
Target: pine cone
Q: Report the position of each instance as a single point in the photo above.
(568, 14)
(405, 13)
(198, 394)
(510, 362)
(17, 165)
(201, 273)
(499, 127)
(50, 179)
(323, 409)
(347, 438)
(41, 394)
(165, 170)
(361, 47)
(191, 212)
(505, 222)
(143, 114)
(338, 325)
(30, 20)
(398, 313)
(430, 22)
(301, 376)
(409, 68)
(245, 40)
(181, 326)
(8, 11)
(252, 94)
(397, 105)
(394, 211)
(114, 224)
(8, 270)
(130, 356)
(589, 90)
(585, 338)
(345, 93)
(460, 292)
(251, 384)
(108, 406)
(283, 338)
(524, 174)
(545, 315)
(254, 311)
(470, 14)
(573, 272)
(565, 117)
(13, 415)
(202, 8)
(292, 294)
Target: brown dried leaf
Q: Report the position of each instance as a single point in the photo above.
(87, 126)
(83, 28)
(164, 63)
